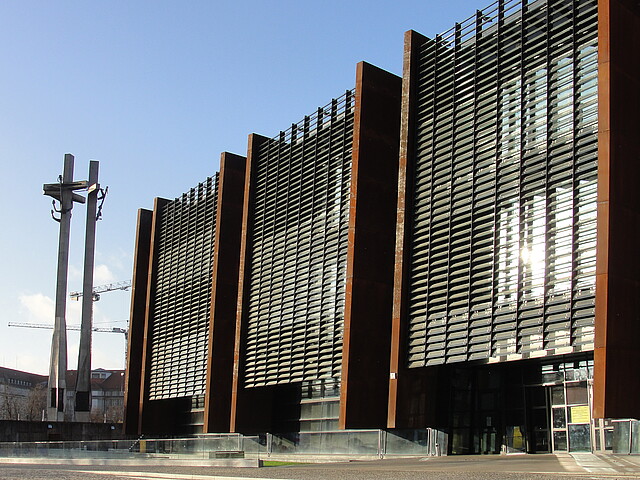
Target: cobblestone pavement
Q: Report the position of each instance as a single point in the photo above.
(529, 467)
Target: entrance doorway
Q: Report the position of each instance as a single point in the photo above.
(571, 417)
(559, 413)
(527, 407)
(538, 438)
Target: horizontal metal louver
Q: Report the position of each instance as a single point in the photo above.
(503, 239)
(297, 269)
(180, 307)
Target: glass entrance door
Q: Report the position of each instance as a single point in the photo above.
(571, 411)
(559, 418)
(538, 437)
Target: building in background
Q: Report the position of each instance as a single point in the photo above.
(23, 395)
(107, 395)
(504, 174)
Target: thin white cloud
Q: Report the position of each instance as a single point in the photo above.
(30, 349)
(40, 308)
(31, 363)
(74, 312)
(73, 343)
(109, 353)
(102, 275)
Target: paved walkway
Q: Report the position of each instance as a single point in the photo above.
(608, 464)
(517, 467)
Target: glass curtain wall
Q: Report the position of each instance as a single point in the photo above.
(182, 294)
(502, 261)
(295, 312)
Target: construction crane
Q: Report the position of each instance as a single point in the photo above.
(48, 326)
(109, 287)
(124, 331)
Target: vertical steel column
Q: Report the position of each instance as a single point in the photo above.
(236, 420)
(364, 388)
(397, 366)
(136, 338)
(83, 385)
(58, 363)
(152, 276)
(224, 293)
(616, 385)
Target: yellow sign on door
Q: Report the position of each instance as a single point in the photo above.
(579, 414)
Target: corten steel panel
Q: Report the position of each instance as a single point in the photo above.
(241, 406)
(398, 373)
(136, 324)
(372, 216)
(224, 293)
(146, 341)
(617, 342)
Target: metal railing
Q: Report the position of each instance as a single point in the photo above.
(626, 437)
(198, 447)
(347, 443)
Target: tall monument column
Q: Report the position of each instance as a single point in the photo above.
(83, 385)
(63, 193)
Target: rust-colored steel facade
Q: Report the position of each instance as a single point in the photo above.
(301, 220)
(456, 249)
(224, 292)
(315, 311)
(369, 283)
(185, 269)
(516, 129)
(617, 347)
(136, 339)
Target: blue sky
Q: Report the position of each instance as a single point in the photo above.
(155, 91)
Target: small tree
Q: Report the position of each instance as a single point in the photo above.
(96, 416)
(36, 403)
(11, 406)
(115, 414)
